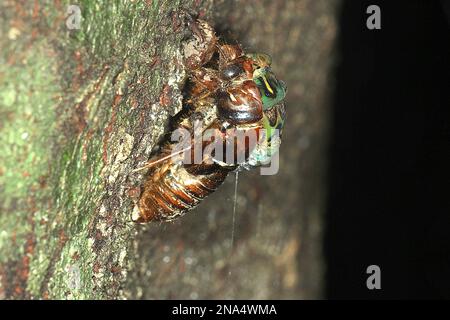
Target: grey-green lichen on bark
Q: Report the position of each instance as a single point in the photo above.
(80, 109)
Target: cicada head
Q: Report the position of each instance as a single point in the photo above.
(272, 90)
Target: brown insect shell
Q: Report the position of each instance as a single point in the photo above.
(240, 69)
(240, 104)
(229, 52)
(244, 147)
(239, 100)
(200, 48)
(205, 82)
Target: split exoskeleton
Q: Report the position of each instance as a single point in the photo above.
(228, 93)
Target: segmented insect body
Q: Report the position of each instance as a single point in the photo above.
(228, 90)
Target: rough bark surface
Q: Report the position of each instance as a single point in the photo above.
(80, 109)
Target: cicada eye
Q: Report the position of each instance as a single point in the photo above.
(232, 71)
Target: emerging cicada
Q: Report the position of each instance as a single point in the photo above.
(229, 95)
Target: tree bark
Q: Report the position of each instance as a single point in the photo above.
(80, 109)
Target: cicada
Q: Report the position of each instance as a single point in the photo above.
(228, 94)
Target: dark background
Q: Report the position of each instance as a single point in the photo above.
(390, 153)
